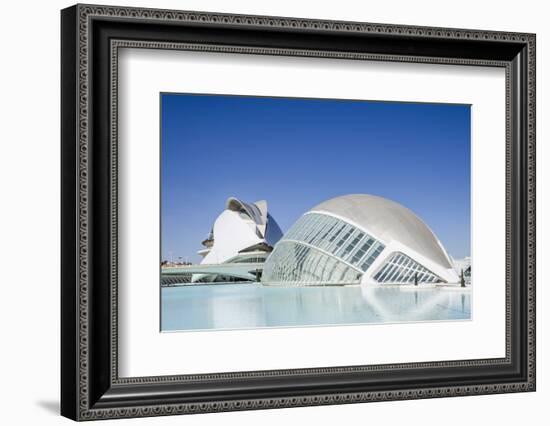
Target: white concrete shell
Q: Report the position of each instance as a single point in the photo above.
(242, 228)
(388, 221)
(359, 238)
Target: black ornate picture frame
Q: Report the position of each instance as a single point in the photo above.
(90, 38)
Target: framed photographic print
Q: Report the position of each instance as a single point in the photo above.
(263, 212)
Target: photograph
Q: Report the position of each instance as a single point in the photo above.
(301, 212)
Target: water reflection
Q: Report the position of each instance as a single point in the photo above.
(238, 306)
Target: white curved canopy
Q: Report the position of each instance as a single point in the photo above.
(239, 228)
(256, 211)
(388, 221)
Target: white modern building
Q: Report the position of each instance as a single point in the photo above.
(359, 239)
(241, 238)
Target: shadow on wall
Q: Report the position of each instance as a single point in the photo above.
(50, 406)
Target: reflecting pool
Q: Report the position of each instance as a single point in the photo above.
(245, 306)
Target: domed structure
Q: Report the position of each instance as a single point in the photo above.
(355, 239)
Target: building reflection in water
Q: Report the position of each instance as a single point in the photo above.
(244, 306)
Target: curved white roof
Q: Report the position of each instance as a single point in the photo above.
(257, 211)
(388, 221)
(240, 227)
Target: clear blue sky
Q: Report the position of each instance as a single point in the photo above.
(295, 153)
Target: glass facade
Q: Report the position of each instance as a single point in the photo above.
(321, 249)
(401, 269)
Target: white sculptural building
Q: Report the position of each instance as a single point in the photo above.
(237, 246)
(359, 239)
(242, 233)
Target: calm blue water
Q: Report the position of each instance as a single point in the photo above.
(238, 306)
